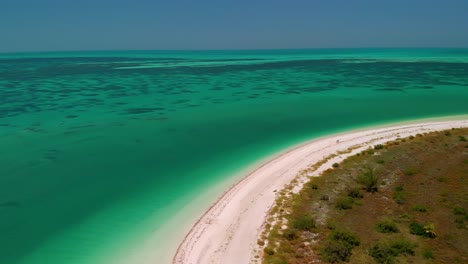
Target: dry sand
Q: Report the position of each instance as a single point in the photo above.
(227, 233)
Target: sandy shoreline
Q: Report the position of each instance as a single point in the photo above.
(228, 231)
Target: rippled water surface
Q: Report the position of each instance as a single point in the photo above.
(99, 150)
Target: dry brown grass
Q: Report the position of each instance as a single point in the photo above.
(424, 171)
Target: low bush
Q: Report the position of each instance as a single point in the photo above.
(458, 210)
(410, 171)
(346, 236)
(269, 251)
(339, 246)
(344, 203)
(369, 180)
(462, 138)
(335, 165)
(399, 195)
(419, 208)
(304, 222)
(290, 234)
(427, 254)
(387, 226)
(386, 252)
(355, 193)
(416, 229)
(379, 146)
(335, 251)
(422, 230)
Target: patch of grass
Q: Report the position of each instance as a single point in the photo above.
(380, 161)
(419, 208)
(355, 193)
(387, 226)
(399, 195)
(427, 254)
(290, 234)
(269, 251)
(458, 210)
(344, 203)
(442, 179)
(387, 252)
(369, 180)
(410, 171)
(304, 223)
(462, 138)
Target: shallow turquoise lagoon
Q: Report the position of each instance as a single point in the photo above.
(101, 150)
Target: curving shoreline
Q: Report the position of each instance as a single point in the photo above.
(228, 231)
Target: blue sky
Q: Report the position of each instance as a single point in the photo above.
(43, 25)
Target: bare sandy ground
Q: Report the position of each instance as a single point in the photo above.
(227, 233)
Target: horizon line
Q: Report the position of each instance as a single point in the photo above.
(246, 49)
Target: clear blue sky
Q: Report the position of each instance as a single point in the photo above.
(29, 25)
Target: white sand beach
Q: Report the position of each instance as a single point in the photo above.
(227, 233)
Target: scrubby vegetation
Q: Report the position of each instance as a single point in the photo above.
(386, 252)
(401, 202)
(387, 226)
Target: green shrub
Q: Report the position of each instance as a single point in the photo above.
(386, 252)
(422, 230)
(419, 208)
(304, 222)
(379, 146)
(427, 254)
(269, 251)
(344, 203)
(442, 179)
(462, 138)
(369, 180)
(347, 237)
(355, 193)
(339, 246)
(335, 251)
(403, 246)
(387, 226)
(380, 161)
(399, 195)
(416, 229)
(335, 165)
(314, 186)
(410, 171)
(458, 210)
(290, 234)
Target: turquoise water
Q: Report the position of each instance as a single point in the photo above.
(99, 150)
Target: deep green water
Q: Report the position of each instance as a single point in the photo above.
(98, 150)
